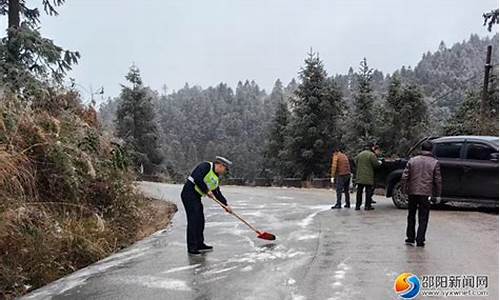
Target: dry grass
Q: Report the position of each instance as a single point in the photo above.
(63, 202)
(16, 176)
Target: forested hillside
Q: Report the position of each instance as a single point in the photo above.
(253, 128)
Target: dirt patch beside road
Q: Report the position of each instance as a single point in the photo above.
(40, 244)
(158, 215)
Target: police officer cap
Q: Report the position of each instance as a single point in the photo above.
(226, 162)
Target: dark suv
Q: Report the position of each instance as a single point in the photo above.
(469, 168)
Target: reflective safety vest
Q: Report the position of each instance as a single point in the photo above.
(211, 180)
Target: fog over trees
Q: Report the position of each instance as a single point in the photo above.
(290, 131)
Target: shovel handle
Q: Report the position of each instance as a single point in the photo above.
(236, 215)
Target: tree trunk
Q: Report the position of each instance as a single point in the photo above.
(14, 14)
(14, 23)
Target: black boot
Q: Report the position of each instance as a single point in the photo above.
(194, 252)
(409, 242)
(205, 248)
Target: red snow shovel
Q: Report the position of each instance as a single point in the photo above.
(260, 234)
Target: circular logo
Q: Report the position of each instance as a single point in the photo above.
(407, 286)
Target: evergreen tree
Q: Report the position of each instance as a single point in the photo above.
(361, 128)
(273, 99)
(490, 18)
(107, 113)
(247, 126)
(313, 126)
(202, 123)
(467, 120)
(136, 123)
(275, 154)
(28, 61)
(405, 117)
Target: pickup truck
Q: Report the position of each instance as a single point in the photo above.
(469, 170)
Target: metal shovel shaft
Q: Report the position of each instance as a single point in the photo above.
(237, 216)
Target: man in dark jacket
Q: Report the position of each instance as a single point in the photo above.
(421, 179)
(204, 181)
(366, 162)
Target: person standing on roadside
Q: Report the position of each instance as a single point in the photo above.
(341, 177)
(421, 179)
(366, 162)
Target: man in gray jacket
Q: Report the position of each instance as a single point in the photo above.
(421, 179)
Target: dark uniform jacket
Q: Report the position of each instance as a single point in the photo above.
(198, 174)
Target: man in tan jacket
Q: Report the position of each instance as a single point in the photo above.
(341, 176)
(421, 179)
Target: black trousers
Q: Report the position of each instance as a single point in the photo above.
(342, 186)
(195, 217)
(422, 204)
(368, 195)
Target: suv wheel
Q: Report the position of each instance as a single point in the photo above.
(399, 198)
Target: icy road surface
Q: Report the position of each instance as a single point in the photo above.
(319, 253)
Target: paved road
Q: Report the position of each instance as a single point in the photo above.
(319, 253)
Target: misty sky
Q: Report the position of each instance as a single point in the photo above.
(207, 42)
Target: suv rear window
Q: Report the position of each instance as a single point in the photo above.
(448, 150)
(479, 151)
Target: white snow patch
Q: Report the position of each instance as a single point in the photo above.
(214, 279)
(158, 282)
(247, 269)
(298, 297)
(343, 266)
(308, 237)
(308, 220)
(237, 229)
(181, 268)
(177, 244)
(212, 272)
(291, 281)
(253, 213)
(253, 257)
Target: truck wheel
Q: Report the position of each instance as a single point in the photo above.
(399, 198)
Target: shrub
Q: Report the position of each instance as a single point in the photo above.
(66, 196)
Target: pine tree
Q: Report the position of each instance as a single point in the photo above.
(247, 128)
(107, 113)
(313, 127)
(28, 60)
(490, 18)
(467, 120)
(275, 154)
(136, 123)
(271, 102)
(361, 127)
(404, 119)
